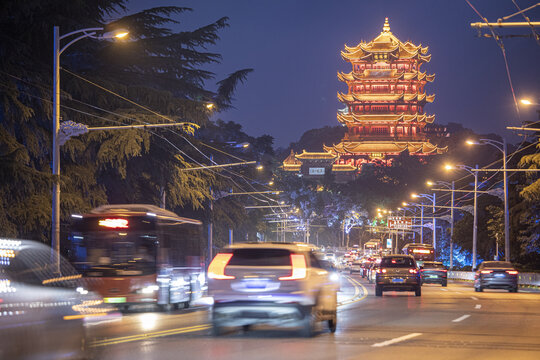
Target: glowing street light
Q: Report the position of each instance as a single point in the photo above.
(57, 51)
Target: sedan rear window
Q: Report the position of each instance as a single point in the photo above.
(497, 264)
(397, 262)
(260, 257)
(433, 266)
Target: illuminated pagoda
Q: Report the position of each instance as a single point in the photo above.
(384, 112)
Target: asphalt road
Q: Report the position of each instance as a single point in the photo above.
(444, 323)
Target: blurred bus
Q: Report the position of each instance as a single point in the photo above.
(372, 247)
(420, 252)
(139, 254)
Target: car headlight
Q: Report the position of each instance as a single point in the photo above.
(81, 290)
(149, 289)
(334, 276)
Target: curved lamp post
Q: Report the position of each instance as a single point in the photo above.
(469, 169)
(501, 146)
(57, 51)
(433, 199)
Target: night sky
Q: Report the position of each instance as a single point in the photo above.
(294, 48)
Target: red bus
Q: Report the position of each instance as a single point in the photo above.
(420, 252)
(139, 254)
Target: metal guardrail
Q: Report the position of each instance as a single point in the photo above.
(525, 279)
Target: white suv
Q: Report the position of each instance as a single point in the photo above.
(281, 284)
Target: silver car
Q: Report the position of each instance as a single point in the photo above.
(279, 284)
(43, 306)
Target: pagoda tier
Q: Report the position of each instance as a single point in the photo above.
(384, 112)
(357, 119)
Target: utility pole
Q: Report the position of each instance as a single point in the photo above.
(210, 225)
(475, 221)
(452, 228)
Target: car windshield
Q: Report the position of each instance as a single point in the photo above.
(397, 262)
(104, 253)
(260, 257)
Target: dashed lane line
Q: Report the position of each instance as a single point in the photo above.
(474, 298)
(478, 306)
(396, 340)
(461, 318)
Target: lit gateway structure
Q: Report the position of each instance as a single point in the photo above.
(384, 112)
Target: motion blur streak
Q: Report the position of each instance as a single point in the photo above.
(126, 339)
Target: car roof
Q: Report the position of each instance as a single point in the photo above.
(397, 255)
(497, 264)
(300, 247)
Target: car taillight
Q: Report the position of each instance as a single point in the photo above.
(444, 270)
(299, 269)
(486, 271)
(216, 270)
(512, 272)
(381, 271)
(413, 271)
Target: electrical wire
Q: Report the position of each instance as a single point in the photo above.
(501, 46)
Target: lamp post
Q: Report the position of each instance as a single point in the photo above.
(501, 146)
(475, 208)
(433, 199)
(57, 51)
(449, 187)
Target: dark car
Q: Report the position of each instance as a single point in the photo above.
(433, 272)
(397, 273)
(496, 275)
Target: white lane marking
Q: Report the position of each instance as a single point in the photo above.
(444, 290)
(457, 292)
(396, 340)
(474, 298)
(478, 306)
(461, 318)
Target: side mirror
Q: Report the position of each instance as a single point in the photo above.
(421, 267)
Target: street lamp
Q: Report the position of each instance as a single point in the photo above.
(501, 146)
(57, 51)
(450, 187)
(475, 220)
(433, 199)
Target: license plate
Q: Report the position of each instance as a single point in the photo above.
(398, 280)
(433, 276)
(115, 300)
(499, 275)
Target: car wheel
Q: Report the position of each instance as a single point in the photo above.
(418, 291)
(444, 284)
(332, 323)
(308, 328)
(480, 289)
(217, 330)
(378, 290)
(514, 290)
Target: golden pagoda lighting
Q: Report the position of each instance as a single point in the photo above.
(413, 195)
(429, 183)
(526, 102)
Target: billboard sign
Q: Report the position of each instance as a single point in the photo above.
(399, 222)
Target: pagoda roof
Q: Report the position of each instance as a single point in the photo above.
(386, 45)
(350, 119)
(385, 147)
(343, 167)
(315, 156)
(420, 97)
(392, 74)
(291, 163)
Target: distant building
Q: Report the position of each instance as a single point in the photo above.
(384, 110)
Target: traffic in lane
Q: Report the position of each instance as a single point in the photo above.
(448, 324)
